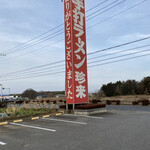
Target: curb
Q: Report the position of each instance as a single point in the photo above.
(58, 114)
(3, 123)
(46, 116)
(32, 118)
(35, 118)
(20, 120)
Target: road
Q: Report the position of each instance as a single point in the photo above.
(128, 107)
(118, 129)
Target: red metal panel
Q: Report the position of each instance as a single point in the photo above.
(68, 52)
(79, 52)
(76, 84)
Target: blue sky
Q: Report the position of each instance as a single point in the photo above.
(22, 20)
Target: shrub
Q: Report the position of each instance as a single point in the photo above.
(47, 101)
(19, 102)
(90, 106)
(118, 102)
(2, 104)
(27, 102)
(54, 102)
(108, 102)
(145, 102)
(94, 101)
(135, 103)
(140, 101)
(2, 110)
(29, 109)
(62, 106)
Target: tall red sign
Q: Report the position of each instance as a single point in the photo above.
(75, 52)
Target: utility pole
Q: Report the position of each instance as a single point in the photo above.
(1, 91)
(2, 54)
(7, 89)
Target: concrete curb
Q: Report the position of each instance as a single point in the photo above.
(32, 118)
(20, 120)
(3, 123)
(58, 114)
(46, 116)
(35, 118)
(90, 111)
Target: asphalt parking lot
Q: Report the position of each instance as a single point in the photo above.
(114, 130)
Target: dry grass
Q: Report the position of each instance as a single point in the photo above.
(125, 100)
(29, 109)
(52, 99)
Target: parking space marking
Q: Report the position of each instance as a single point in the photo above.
(67, 121)
(2, 143)
(34, 127)
(84, 116)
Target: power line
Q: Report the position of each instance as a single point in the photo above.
(130, 58)
(124, 44)
(59, 33)
(122, 51)
(38, 75)
(119, 56)
(31, 51)
(103, 20)
(97, 5)
(104, 8)
(92, 25)
(32, 68)
(49, 64)
(55, 67)
(40, 41)
(34, 74)
(121, 12)
(118, 60)
(35, 37)
(143, 1)
(50, 30)
(52, 68)
(101, 50)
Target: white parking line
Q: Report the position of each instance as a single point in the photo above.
(94, 117)
(64, 121)
(34, 127)
(2, 143)
(84, 116)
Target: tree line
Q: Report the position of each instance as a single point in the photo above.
(129, 87)
(32, 94)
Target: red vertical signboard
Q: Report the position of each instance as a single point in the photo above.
(68, 52)
(75, 52)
